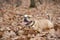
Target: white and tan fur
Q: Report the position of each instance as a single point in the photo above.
(41, 24)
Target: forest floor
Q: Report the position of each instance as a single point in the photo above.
(12, 28)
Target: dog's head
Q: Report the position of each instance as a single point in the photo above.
(28, 19)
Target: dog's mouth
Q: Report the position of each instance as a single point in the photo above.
(28, 23)
(25, 20)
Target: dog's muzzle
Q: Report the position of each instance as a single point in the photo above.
(30, 24)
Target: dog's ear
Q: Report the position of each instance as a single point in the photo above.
(48, 16)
